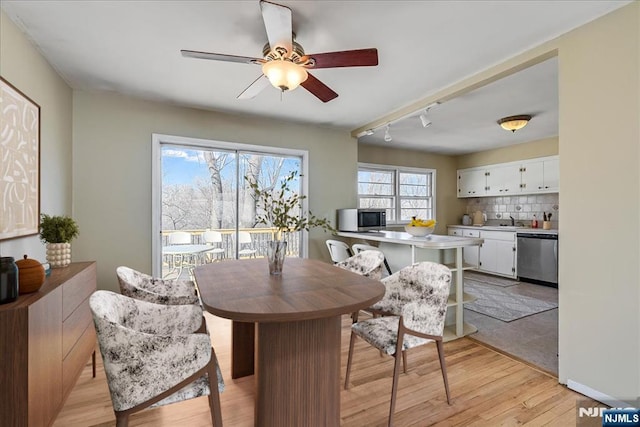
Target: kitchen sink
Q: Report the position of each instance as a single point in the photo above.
(509, 227)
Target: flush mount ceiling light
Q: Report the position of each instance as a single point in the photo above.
(387, 134)
(284, 74)
(514, 123)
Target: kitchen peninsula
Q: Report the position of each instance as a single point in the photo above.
(397, 245)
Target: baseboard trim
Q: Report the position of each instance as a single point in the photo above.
(597, 395)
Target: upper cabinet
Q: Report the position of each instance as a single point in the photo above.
(541, 176)
(472, 182)
(504, 179)
(524, 177)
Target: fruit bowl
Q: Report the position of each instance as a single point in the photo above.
(419, 231)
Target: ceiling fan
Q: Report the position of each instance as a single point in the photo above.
(284, 62)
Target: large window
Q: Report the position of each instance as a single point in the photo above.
(403, 192)
(200, 191)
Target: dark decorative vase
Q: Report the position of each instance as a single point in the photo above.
(276, 252)
(8, 280)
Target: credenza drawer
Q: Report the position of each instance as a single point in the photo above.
(77, 289)
(75, 361)
(74, 326)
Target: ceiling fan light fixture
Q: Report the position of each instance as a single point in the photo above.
(514, 123)
(284, 74)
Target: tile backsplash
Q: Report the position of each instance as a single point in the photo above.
(521, 208)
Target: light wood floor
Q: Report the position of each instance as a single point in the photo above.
(487, 388)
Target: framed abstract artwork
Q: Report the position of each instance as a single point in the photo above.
(19, 163)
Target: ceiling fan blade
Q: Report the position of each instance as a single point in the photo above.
(277, 22)
(220, 57)
(255, 88)
(323, 92)
(346, 58)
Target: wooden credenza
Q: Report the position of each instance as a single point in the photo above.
(46, 338)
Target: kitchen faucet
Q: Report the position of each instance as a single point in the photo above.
(513, 221)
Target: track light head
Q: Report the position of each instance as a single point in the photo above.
(387, 134)
(425, 120)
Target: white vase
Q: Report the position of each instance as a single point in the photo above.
(59, 254)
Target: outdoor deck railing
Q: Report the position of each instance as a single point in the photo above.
(259, 239)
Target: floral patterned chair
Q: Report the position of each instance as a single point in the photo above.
(359, 247)
(366, 263)
(415, 305)
(152, 356)
(143, 287)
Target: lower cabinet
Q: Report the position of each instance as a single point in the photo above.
(498, 253)
(46, 338)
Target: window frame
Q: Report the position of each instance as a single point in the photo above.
(397, 199)
(159, 140)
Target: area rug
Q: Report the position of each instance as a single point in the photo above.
(502, 304)
(492, 280)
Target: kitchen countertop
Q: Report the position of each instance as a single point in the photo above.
(506, 228)
(432, 241)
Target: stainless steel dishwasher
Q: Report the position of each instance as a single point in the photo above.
(538, 258)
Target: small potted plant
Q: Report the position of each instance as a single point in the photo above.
(281, 209)
(57, 232)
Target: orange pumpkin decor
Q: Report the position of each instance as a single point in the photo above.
(30, 275)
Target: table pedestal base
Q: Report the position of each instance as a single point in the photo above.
(298, 373)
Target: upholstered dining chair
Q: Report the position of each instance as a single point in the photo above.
(416, 299)
(152, 356)
(366, 263)
(138, 285)
(359, 247)
(338, 250)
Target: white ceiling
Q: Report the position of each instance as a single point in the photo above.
(133, 47)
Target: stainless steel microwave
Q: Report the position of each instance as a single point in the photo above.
(361, 219)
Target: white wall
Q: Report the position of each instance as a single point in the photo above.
(599, 292)
(23, 66)
(112, 170)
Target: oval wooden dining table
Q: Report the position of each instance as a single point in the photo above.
(296, 317)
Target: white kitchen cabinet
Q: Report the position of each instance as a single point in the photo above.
(497, 255)
(503, 180)
(541, 176)
(470, 254)
(532, 176)
(472, 182)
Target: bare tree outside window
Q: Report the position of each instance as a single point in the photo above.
(404, 193)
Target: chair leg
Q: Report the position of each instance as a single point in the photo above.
(386, 264)
(404, 361)
(122, 419)
(394, 386)
(214, 394)
(93, 363)
(443, 367)
(351, 344)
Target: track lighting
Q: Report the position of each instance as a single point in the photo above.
(424, 119)
(387, 134)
